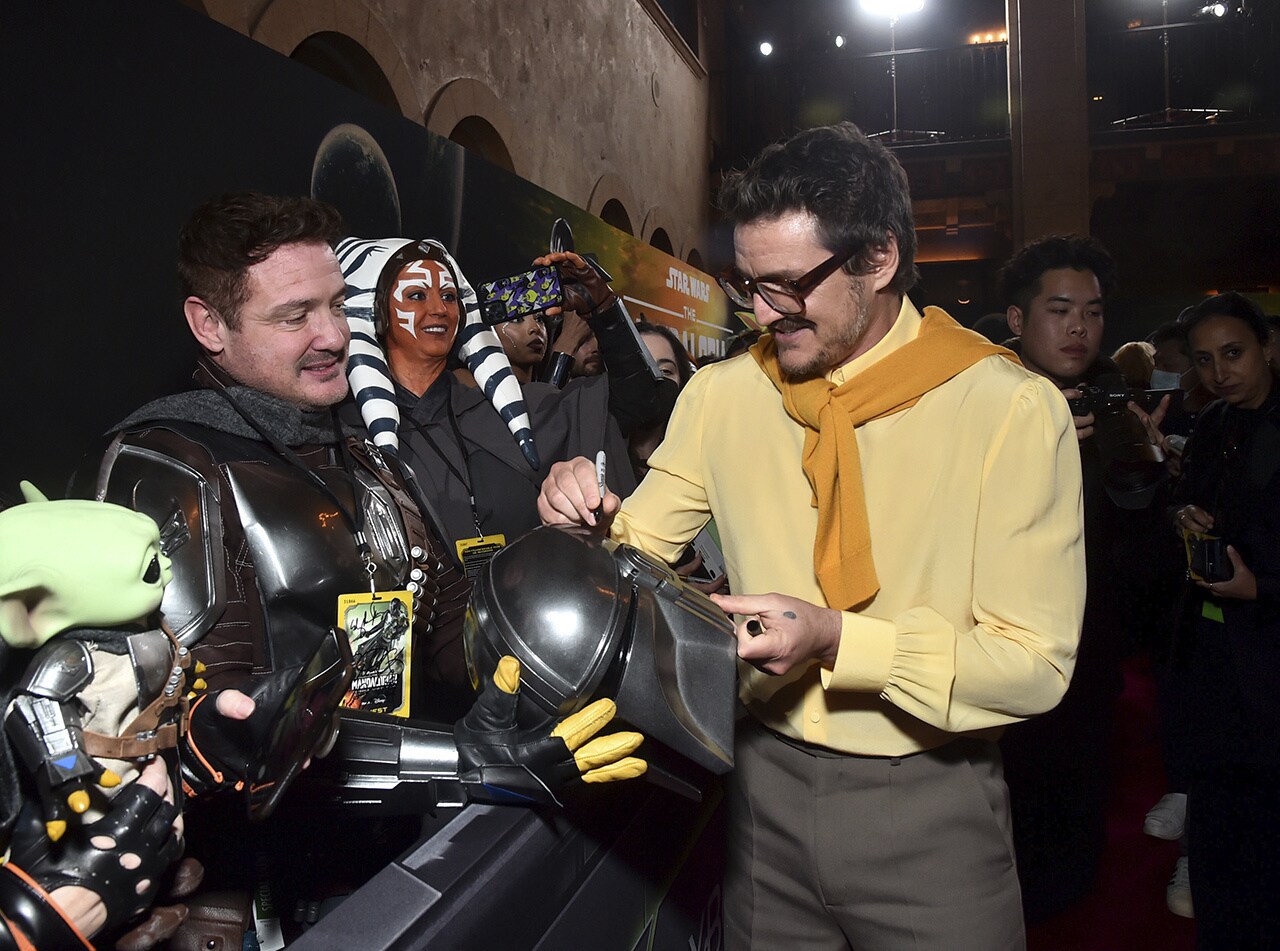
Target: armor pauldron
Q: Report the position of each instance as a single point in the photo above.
(59, 670)
(186, 507)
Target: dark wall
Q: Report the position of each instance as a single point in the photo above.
(1175, 242)
(122, 118)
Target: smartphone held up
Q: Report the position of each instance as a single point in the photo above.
(528, 292)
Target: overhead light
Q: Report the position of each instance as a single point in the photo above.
(990, 38)
(892, 8)
(839, 41)
(766, 48)
(1097, 99)
(1214, 10)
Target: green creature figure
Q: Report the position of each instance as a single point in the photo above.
(107, 695)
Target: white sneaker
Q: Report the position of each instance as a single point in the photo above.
(1167, 818)
(1178, 895)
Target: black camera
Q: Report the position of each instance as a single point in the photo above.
(1207, 559)
(1132, 467)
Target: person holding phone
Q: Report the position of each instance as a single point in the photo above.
(412, 311)
(1228, 505)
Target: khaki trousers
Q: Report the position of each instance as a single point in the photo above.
(830, 851)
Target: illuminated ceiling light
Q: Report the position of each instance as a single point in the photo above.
(766, 48)
(892, 8)
(976, 38)
(1003, 37)
(1214, 10)
(1097, 99)
(990, 37)
(839, 41)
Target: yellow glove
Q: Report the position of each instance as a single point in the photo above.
(500, 762)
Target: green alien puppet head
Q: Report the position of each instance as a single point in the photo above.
(75, 563)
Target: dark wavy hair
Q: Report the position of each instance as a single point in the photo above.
(226, 236)
(1019, 279)
(684, 363)
(852, 185)
(1230, 304)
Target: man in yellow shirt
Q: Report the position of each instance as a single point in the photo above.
(909, 498)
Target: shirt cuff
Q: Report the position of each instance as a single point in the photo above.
(865, 655)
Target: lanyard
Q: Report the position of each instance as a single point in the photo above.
(353, 519)
(467, 480)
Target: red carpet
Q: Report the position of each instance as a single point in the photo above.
(1126, 910)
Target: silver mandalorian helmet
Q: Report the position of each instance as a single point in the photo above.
(589, 618)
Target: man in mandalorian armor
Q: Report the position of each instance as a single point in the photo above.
(271, 512)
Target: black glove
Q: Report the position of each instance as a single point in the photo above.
(294, 718)
(499, 762)
(137, 832)
(585, 288)
(215, 750)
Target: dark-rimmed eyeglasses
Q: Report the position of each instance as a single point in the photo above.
(784, 296)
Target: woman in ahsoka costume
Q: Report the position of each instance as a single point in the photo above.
(480, 454)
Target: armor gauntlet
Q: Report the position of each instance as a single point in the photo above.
(384, 766)
(44, 724)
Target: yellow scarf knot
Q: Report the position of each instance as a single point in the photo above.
(831, 414)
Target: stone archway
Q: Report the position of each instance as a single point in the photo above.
(476, 134)
(655, 233)
(467, 112)
(285, 25)
(611, 200)
(662, 241)
(345, 61)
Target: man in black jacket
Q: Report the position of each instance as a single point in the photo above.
(1057, 765)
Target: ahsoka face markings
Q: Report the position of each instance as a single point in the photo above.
(425, 310)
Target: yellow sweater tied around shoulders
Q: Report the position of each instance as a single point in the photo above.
(831, 414)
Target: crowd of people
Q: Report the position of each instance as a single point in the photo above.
(936, 546)
(1167, 577)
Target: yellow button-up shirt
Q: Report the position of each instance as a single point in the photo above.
(974, 503)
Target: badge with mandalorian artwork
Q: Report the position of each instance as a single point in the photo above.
(379, 627)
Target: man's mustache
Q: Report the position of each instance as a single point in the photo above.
(786, 325)
(321, 357)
